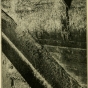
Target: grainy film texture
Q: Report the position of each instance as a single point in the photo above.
(44, 43)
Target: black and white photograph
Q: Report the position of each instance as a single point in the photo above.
(43, 43)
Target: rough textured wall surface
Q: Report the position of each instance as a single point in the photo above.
(47, 11)
(36, 15)
(43, 17)
(77, 15)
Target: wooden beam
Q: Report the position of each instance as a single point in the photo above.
(25, 68)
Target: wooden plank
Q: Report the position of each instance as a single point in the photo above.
(25, 68)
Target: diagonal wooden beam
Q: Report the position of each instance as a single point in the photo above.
(25, 68)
